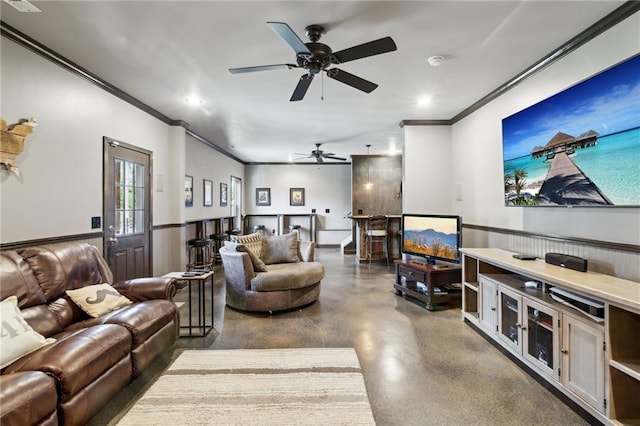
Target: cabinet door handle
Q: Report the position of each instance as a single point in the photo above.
(564, 351)
(493, 309)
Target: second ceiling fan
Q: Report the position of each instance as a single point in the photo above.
(316, 57)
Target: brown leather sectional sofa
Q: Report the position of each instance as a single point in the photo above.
(67, 382)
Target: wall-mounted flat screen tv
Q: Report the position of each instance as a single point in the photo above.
(433, 237)
(580, 147)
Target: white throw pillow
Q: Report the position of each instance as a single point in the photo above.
(99, 299)
(17, 338)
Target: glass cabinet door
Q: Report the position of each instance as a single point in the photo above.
(488, 309)
(510, 327)
(541, 336)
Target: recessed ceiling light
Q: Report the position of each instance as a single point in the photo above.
(193, 100)
(424, 101)
(22, 5)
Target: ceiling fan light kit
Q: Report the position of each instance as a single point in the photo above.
(315, 57)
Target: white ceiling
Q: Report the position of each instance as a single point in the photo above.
(163, 52)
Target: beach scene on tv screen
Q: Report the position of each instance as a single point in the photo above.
(579, 147)
(431, 237)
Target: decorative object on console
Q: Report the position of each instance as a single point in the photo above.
(12, 141)
(578, 147)
(566, 261)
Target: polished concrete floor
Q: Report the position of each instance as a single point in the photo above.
(420, 367)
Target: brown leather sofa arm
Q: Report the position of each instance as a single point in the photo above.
(141, 289)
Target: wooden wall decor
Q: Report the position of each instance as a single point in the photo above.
(12, 142)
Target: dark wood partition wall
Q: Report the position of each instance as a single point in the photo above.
(385, 173)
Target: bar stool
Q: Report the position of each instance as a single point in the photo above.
(296, 228)
(217, 241)
(261, 229)
(231, 232)
(199, 254)
(376, 234)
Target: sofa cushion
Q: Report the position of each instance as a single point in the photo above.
(280, 249)
(142, 319)
(18, 280)
(18, 338)
(79, 357)
(258, 264)
(66, 266)
(97, 300)
(288, 276)
(252, 241)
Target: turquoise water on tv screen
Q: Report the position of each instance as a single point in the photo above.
(613, 165)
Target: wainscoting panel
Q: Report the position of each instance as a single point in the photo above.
(621, 263)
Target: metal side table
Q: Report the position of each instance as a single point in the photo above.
(201, 327)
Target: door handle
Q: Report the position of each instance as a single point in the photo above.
(112, 240)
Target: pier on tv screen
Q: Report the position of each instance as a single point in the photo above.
(580, 147)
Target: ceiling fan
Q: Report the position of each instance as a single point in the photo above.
(316, 57)
(320, 155)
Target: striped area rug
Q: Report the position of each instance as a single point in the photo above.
(257, 387)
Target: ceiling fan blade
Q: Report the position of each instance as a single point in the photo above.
(301, 88)
(376, 47)
(351, 80)
(289, 36)
(261, 68)
(333, 157)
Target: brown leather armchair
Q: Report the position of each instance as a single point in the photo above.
(92, 359)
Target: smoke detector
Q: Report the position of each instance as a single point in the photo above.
(435, 60)
(22, 5)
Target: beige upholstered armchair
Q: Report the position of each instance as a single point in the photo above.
(283, 275)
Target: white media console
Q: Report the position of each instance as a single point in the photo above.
(582, 337)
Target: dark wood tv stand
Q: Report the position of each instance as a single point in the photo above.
(422, 282)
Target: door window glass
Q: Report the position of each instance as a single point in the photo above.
(129, 193)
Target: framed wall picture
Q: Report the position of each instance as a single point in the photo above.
(207, 196)
(188, 191)
(579, 147)
(296, 196)
(223, 194)
(263, 196)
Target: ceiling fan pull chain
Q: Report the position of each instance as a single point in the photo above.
(322, 91)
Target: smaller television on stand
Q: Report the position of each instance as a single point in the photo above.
(432, 237)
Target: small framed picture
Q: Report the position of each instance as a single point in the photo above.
(296, 196)
(188, 191)
(263, 196)
(207, 196)
(223, 194)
